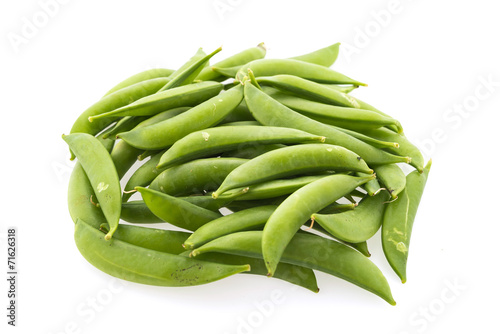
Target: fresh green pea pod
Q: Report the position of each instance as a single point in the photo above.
(187, 75)
(147, 154)
(292, 160)
(146, 266)
(357, 225)
(310, 251)
(398, 221)
(244, 220)
(142, 76)
(238, 60)
(212, 141)
(99, 167)
(240, 123)
(124, 156)
(236, 206)
(195, 177)
(251, 151)
(164, 115)
(372, 187)
(183, 96)
(324, 56)
(317, 73)
(123, 125)
(392, 178)
(176, 211)
(270, 112)
(142, 176)
(369, 140)
(204, 115)
(240, 113)
(197, 56)
(270, 189)
(298, 208)
(341, 88)
(338, 208)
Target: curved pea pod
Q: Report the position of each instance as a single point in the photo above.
(356, 225)
(251, 151)
(341, 88)
(212, 141)
(324, 56)
(142, 76)
(204, 115)
(292, 160)
(310, 251)
(146, 266)
(195, 177)
(176, 211)
(101, 172)
(270, 112)
(317, 73)
(183, 96)
(398, 221)
(350, 118)
(238, 60)
(298, 208)
(270, 189)
(244, 220)
(392, 178)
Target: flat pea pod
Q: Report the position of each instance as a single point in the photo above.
(293, 160)
(102, 175)
(244, 220)
(350, 118)
(392, 178)
(398, 221)
(176, 211)
(204, 115)
(238, 59)
(357, 225)
(195, 177)
(298, 208)
(212, 141)
(183, 96)
(325, 56)
(270, 189)
(270, 112)
(310, 251)
(142, 76)
(146, 266)
(113, 101)
(293, 67)
(251, 151)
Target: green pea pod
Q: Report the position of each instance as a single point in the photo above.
(310, 251)
(369, 140)
(240, 113)
(137, 212)
(324, 56)
(176, 211)
(124, 156)
(142, 176)
(244, 220)
(197, 56)
(341, 88)
(102, 175)
(238, 60)
(270, 112)
(273, 67)
(204, 115)
(240, 123)
(251, 151)
(141, 76)
(183, 96)
(357, 225)
(123, 125)
(398, 221)
(292, 160)
(392, 178)
(146, 266)
(212, 141)
(187, 75)
(372, 187)
(237, 206)
(147, 154)
(298, 208)
(195, 177)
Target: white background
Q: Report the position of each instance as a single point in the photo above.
(421, 60)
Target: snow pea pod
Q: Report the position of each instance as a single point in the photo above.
(298, 208)
(195, 177)
(392, 178)
(142, 76)
(183, 96)
(146, 266)
(176, 211)
(310, 251)
(292, 160)
(357, 225)
(99, 167)
(270, 112)
(293, 67)
(398, 221)
(212, 141)
(325, 56)
(204, 115)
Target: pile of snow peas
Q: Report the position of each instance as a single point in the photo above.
(253, 165)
